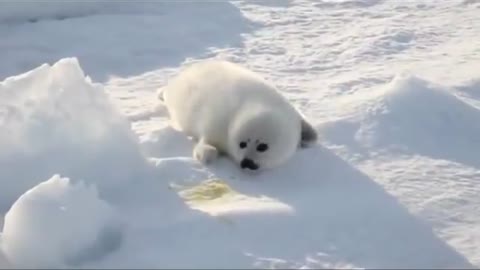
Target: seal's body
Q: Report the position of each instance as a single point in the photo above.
(229, 109)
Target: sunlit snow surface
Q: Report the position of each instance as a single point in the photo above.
(91, 178)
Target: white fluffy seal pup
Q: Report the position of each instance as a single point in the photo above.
(230, 110)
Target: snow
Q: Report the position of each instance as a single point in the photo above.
(55, 120)
(391, 87)
(421, 108)
(58, 221)
(32, 11)
(135, 38)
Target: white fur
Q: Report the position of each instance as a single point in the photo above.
(221, 104)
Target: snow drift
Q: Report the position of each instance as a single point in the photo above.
(416, 116)
(56, 121)
(59, 224)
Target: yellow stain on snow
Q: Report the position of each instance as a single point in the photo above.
(216, 197)
(207, 190)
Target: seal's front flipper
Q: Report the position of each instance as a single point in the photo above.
(308, 135)
(204, 152)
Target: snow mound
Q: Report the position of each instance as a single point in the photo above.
(56, 121)
(58, 224)
(416, 116)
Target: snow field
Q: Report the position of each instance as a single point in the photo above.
(393, 183)
(38, 32)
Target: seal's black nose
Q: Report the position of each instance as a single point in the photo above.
(248, 164)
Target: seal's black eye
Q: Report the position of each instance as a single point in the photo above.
(242, 145)
(262, 147)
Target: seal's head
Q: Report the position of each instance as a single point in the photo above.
(263, 139)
